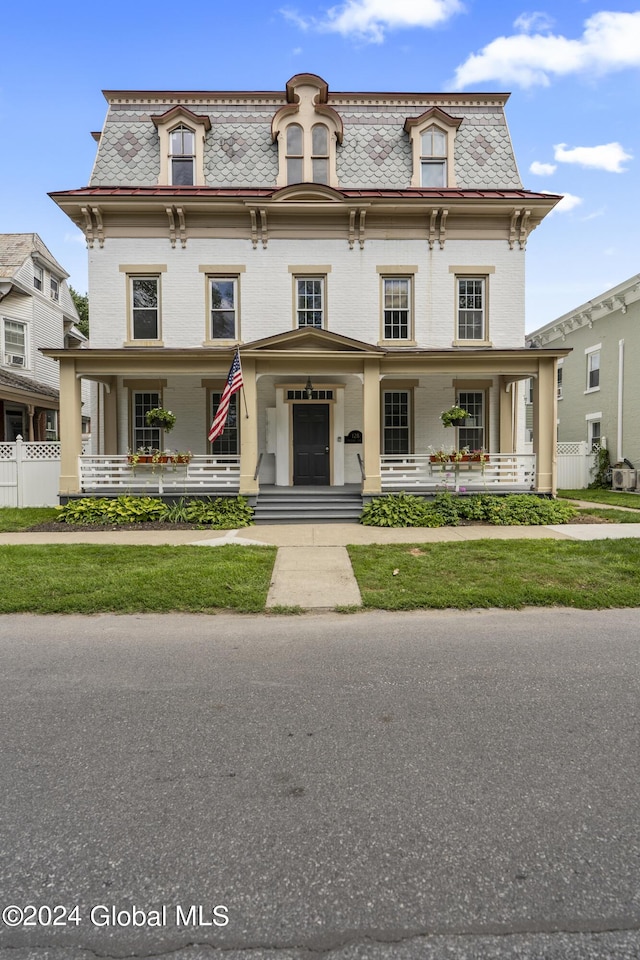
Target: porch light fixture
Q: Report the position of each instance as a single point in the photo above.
(308, 390)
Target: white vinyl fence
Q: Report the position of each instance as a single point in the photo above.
(29, 474)
(576, 460)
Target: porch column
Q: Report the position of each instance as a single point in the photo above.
(371, 431)
(544, 425)
(70, 426)
(248, 429)
(110, 417)
(507, 439)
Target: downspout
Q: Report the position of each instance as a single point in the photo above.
(620, 396)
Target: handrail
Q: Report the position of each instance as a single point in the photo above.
(361, 465)
(255, 476)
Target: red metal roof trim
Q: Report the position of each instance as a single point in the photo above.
(408, 193)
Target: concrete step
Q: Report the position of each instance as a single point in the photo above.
(307, 508)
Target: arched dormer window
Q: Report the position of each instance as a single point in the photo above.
(295, 153)
(182, 156)
(307, 131)
(432, 144)
(181, 133)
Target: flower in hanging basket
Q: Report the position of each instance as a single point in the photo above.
(159, 417)
(453, 415)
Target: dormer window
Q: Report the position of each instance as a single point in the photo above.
(182, 156)
(432, 145)
(307, 131)
(181, 133)
(433, 159)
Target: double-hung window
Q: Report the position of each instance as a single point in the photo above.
(144, 435)
(396, 293)
(55, 289)
(559, 382)
(227, 443)
(182, 156)
(593, 368)
(15, 343)
(38, 276)
(309, 301)
(320, 153)
(473, 433)
(433, 158)
(223, 293)
(396, 434)
(471, 321)
(295, 154)
(145, 308)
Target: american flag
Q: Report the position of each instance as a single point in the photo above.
(233, 384)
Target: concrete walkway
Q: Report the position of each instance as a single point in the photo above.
(312, 568)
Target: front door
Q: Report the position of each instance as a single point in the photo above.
(311, 444)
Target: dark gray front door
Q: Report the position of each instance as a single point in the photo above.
(311, 444)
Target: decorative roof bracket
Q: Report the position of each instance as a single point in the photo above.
(172, 225)
(183, 228)
(443, 228)
(99, 225)
(88, 225)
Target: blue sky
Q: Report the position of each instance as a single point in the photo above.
(573, 69)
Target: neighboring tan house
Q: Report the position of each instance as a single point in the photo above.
(598, 387)
(366, 252)
(36, 310)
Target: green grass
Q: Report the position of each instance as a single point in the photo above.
(609, 497)
(613, 516)
(90, 578)
(499, 573)
(14, 519)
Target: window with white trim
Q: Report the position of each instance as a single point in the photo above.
(396, 411)
(593, 370)
(295, 153)
(472, 433)
(396, 294)
(54, 289)
(182, 156)
(145, 308)
(595, 434)
(38, 276)
(471, 308)
(559, 379)
(227, 443)
(433, 157)
(51, 425)
(14, 343)
(223, 294)
(320, 153)
(310, 301)
(142, 434)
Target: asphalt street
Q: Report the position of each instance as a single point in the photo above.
(434, 785)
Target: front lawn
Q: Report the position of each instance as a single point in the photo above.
(14, 519)
(611, 498)
(611, 516)
(499, 573)
(91, 578)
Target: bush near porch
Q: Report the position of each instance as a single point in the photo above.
(447, 510)
(222, 513)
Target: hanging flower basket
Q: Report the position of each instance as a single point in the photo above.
(454, 415)
(159, 417)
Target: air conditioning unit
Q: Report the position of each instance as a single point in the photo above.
(16, 360)
(622, 478)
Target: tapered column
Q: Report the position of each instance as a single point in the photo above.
(248, 429)
(110, 411)
(70, 427)
(371, 431)
(507, 439)
(544, 425)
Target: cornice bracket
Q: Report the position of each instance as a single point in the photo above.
(352, 228)
(443, 228)
(263, 227)
(88, 226)
(524, 229)
(432, 227)
(172, 225)
(361, 234)
(512, 228)
(183, 227)
(254, 228)
(99, 225)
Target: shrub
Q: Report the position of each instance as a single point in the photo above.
(116, 510)
(399, 510)
(225, 513)
(447, 509)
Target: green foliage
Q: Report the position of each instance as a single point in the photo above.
(158, 416)
(224, 513)
(610, 498)
(447, 509)
(81, 302)
(601, 471)
(13, 519)
(399, 510)
(453, 415)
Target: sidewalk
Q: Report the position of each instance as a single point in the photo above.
(312, 568)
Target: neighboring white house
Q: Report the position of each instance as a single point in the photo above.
(598, 388)
(364, 250)
(36, 310)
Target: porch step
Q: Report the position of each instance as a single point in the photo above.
(307, 507)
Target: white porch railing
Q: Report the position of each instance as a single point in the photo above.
(203, 475)
(512, 471)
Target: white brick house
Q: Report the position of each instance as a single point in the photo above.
(364, 250)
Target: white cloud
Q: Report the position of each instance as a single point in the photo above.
(569, 202)
(542, 169)
(527, 22)
(607, 156)
(610, 42)
(369, 19)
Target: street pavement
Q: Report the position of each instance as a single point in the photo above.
(423, 786)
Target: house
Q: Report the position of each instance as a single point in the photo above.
(36, 310)
(598, 392)
(364, 250)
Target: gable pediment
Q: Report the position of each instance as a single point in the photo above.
(311, 340)
(307, 193)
